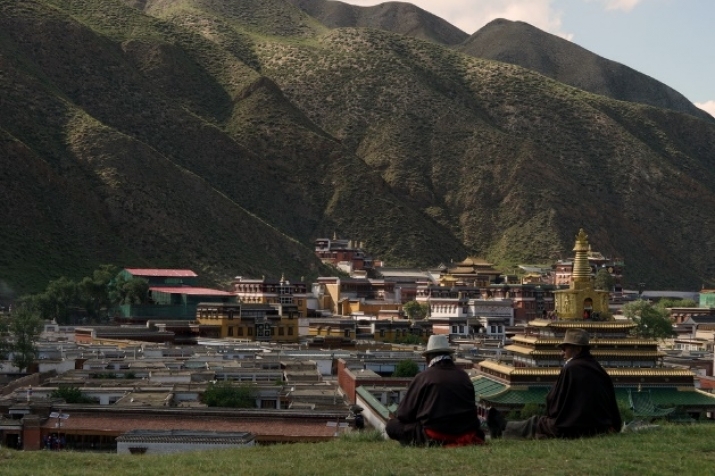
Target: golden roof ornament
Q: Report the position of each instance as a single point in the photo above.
(581, 269)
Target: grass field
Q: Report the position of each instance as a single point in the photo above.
(683, 450)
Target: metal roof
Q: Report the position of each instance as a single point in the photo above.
(189, 290)
(158, 272)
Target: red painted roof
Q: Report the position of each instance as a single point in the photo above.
(190, 290)
(174, 273)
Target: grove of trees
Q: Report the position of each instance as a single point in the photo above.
(229, 395)
(652, 320)
(406, 368)
(91, 298)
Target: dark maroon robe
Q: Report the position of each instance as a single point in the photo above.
(582, 402)
(440, 398)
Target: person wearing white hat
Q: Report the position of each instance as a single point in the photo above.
(439, 408)
(581, 403)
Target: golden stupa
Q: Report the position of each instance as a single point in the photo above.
(580, 300)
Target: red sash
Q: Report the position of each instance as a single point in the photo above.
(452, 441)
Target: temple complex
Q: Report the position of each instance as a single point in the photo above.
(532, 362)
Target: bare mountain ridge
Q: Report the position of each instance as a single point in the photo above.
(184, 134)
(522, 44)
(511, 42)
(397, 17)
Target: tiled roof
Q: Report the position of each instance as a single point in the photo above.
(552, 341)
(79, 423)
(485, 386)
(524, 350)
(182, 436)
(518, 396)
(613, 372)
(569, 324)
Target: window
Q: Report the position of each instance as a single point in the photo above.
(230, 331)
(347, 332)
(240, 331)
(250, 331)
(281, 331)
(290, 331)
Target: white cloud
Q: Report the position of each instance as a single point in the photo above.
(623, 5)
(470, 15)
(707, 106)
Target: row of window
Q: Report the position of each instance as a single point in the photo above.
(261, 331)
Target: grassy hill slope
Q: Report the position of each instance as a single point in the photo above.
(668, 450)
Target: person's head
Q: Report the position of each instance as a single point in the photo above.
(575, 341)
(437, 345)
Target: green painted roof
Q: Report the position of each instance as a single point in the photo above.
(672, 397)
(484, 386)
(518, 396)
(664, 397)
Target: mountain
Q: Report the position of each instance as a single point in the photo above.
(396, 17)
(226, 135)
(524, 45)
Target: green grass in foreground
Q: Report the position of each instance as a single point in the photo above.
(685, 450)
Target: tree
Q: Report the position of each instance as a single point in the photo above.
(652, 321)
(406, 369)
(41, 304)
(25, 327)
(415, 310)
(128, 291)
(71, 395)
(4, 336)
(670, 303)
(61, 295)
(94, 291)
(604, 281)
(409, 339)
(228, 395)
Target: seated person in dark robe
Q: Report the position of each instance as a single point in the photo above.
(581, 403)
(439, 408)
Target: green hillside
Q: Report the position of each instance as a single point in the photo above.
(685, 449)
(224, 136)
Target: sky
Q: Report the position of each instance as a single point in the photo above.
(672, 41)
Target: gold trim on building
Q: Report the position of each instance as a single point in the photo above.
(563, 324)
(523, 350)
(613, 372)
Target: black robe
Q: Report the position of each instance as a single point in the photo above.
(582, 402)
(441, 398)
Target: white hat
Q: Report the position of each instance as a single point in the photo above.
(438, 344)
